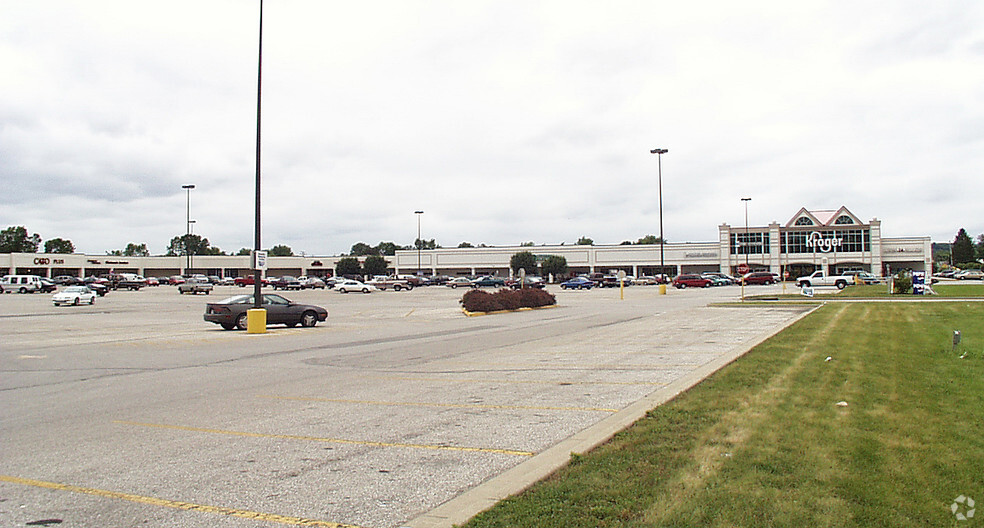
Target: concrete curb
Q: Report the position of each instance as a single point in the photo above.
(482, 497)
(525, 309)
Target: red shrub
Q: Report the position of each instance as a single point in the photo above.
(482, 301)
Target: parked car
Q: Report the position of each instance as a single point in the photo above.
(528, 282)
(488, 281)
(948, 274)
(100, 289)
(864, 277)
(248, 280)
(715, 279)
(174, 280)
(227, 281)
(66, 280)
(286, 282)
(231, 313)
(153, 281)
(463, 282)
(75, 295)
(20, 284)
(759, 277)
(351, 285)
(195, 286)
(970, 274)
(47, 286)
(311, 283)
(578, 283)
(690, 281)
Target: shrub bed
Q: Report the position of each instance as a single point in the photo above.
(483, 301)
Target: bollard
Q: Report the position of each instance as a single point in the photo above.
(256, 320)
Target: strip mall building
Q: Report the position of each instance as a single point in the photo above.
(833, 240)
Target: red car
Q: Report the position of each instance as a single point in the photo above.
(690, 281)
(759, 277)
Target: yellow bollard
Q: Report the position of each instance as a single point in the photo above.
(256, 320)
(662, 289)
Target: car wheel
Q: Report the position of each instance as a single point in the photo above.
(241, 322)
(22, 290)
(409, 287)
(453, 286)
(365, 290)
(841, 285)
(92, 300)
(681, 286)
(396, 287)
(208, 292)
(227, 326)
(309, 319)
(341, 290)
(76, 302)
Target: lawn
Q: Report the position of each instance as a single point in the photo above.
(763, 442)
(880, 291)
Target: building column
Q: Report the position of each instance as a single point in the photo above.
(724, 248)
(874, 237)
(775, 263)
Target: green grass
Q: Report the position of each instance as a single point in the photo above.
(880, 291)
(764, 443)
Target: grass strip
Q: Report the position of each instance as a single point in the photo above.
(763, 442)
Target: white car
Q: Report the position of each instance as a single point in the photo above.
(75, 295)
(349, 285)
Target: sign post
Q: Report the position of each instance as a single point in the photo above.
(742, 269)
(256, 318)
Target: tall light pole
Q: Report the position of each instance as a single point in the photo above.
(257, 279)
(187, 188)
(420, 242)
(746, 200)
(659, 160)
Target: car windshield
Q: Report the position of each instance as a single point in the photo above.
(268, 298)
(75, 289)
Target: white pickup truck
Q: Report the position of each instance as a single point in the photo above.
(820, 278)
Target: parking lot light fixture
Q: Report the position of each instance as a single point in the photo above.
(659, 162)
(187, 188)
(420, 242)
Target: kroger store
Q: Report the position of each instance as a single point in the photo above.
(833, 240)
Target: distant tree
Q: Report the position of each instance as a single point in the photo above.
(625, 243)
(361, 249)
(388, 248)
(244, 252)
(962, 248)
(348, 266)
(136, 250)
(649, 239)
(190, 244)
(465, 245)
(115, 253)
(59, 245)
(425, 244)
(554, 265)
(527, 244)
(585, 241)
(16, 240)
(980, 246)
(281, 251)
(525, 260)
(375, 265)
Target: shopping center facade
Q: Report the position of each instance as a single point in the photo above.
(834, 240)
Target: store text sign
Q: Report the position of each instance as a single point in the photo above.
(826, 245)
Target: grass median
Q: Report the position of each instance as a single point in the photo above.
(763, 442)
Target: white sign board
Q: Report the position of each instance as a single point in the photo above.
(259, 260)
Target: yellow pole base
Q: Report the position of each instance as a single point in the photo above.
(256, 321)
(662, 289)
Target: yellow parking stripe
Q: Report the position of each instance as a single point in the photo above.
(447, 405)
(270, 517)
(330, 440)
(532, 382)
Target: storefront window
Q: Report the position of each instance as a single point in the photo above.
(828, 241)
(749, 243)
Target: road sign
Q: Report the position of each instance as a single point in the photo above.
(743, 269)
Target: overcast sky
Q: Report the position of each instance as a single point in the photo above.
(504, 121)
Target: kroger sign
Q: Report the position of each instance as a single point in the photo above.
(814, 240)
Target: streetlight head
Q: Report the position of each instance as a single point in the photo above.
(746, 199)
(659, 151)
(418, 212)
(188, 186)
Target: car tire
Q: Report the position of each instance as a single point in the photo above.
(365, 290)
(92, 300)
(309, 319)
(208, 292)
(341, 290)
(841, 285)
(681, 286)
(242, 322)
(227, 326)
(76, 302)
(453, 286)
(22, 290)
(396, 287)
(409, 287)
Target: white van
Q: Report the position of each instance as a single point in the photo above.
(20, 284)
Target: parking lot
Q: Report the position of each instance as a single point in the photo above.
(135, 411)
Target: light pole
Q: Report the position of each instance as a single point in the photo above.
(746, 200)
(187, 188)
(420, 242)
(659, 160)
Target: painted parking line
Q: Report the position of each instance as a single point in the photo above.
(180, 505)
(437, 447)
(532, 382)
(442, 405)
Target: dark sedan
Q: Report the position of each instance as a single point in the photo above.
(488, 281)
(760, 277)
(231, 313)
(578, 283)
(690, 281)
